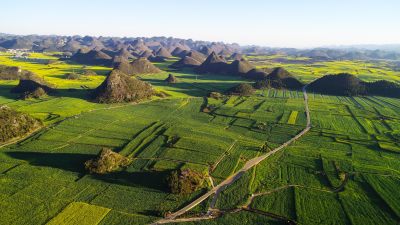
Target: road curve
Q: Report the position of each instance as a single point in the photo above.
(249, 164)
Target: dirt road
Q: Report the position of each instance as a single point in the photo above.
(249, 164)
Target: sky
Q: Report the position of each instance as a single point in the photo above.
(274, 23)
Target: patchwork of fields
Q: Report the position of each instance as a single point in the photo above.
(339, 173)
(346, 170)
(307, 70)
(217, 143)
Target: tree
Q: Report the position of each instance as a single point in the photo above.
(242, 90)
(107, 161)
(185, 181)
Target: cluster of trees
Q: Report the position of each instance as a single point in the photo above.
(215, 95)
(72, 76)
(107, 161)
(185, 181)
(242, 90)
(171, 79)
(15, 124)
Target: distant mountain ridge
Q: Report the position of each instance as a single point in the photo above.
(166, 46)
(383, 47)
(138, 44)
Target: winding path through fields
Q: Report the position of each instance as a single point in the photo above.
(249, 164)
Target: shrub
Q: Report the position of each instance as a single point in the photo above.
(171, 79)
(161, 94)
(89, 73)
(342, 175)
(72, 76)
(206, 110)
(215, 95)
(172, 140)
(15, 124)
(107, 161)
(242, 90)
(37, 93)
(185, 181)
(262, 126)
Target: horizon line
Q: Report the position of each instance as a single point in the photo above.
(358, 45)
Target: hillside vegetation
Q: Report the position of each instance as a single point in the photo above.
(350, 85)
(119, 87)
(16, 124)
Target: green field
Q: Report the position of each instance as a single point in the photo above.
(346, 170)
(307, 70)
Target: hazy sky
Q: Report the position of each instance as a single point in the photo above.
(284, 23)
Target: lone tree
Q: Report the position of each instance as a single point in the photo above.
(107, 161)
(185, 181)
(171, 79)
(89, 73)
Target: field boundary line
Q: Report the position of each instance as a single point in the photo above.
(248, 165)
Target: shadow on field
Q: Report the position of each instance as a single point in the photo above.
(185, 88)
(75, 163)
(64, 161)
(149, 179)
(200, 89)
(5, 91)
(84, 94)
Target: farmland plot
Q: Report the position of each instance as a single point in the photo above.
(353, 144)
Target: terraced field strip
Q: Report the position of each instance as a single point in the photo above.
(334, 190)
(171, 160)
(249, 164)
(71, 141)
(79, 213)
(222, 157)
(71, 117)
(293, 117)
(148, 139)
(272, 215)
(130, 147)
